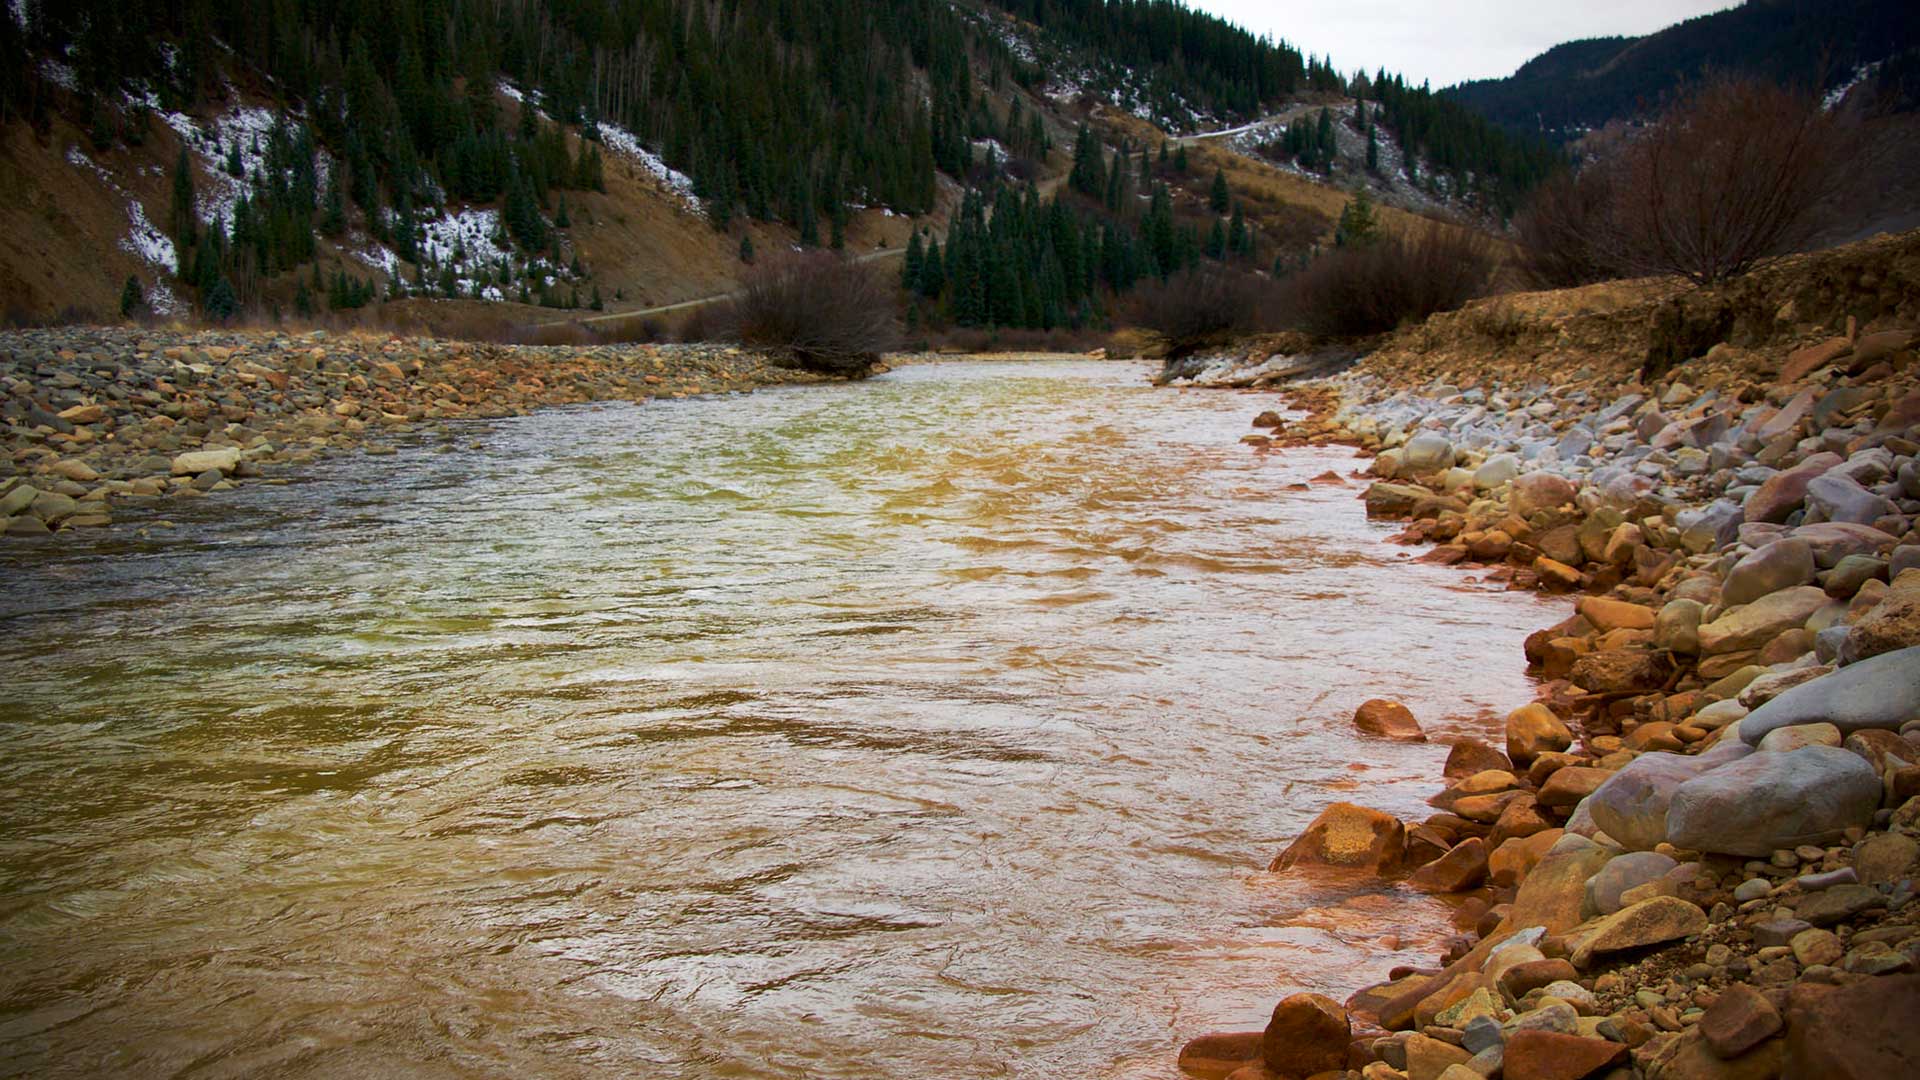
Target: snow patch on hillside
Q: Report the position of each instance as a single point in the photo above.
(143, 240)
(619, 139)
(465, 240)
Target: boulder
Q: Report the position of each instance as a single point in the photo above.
(1215, 1055)
(1496, 472)
(1752, 625)
(1307, 1034)
(1781, 740)
(1469, 756)
(1394, 500)
(1677, 627)
(1631, 806)
(1783, 492)
(1766, 801)
(1625, 872)
(1389, 719)
(1862, 1031)
(1553, 893)
(1617, 671)
(1426, 453)
(1833, 541)
(1461, 868)
(1550, 1055)
(224, 461)
(1768, 569)
(1349, 837)
(1649, 922)
(1880, 692)
(1538, 491)
(1533, 730)
(1892, 625)
(1739, 1020)
(1566, 787)
(1609, 614)
(1841, 498)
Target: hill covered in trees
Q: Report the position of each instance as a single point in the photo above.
(296, 155)
(1582, 85)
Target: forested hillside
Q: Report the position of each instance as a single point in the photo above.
(1582, 85)
(300, 155)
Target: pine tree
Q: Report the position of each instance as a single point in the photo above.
(1357, 227)
(746, 250)
(1221, 197)
(916, 260)
(1373, 149)
(180, 216)
(1239, 240)
(598, 304)
(132, 299)
(560, 218)
(221, 304)
(1217, 241)
(1180, 160)
(302, 297)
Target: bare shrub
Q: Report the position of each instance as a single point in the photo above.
(1566, 233)
(827, 314)
(1356, 292)
(1729, 179)
(1201, 308)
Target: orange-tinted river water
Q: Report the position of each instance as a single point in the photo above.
(934, 727)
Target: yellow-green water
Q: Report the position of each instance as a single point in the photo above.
(936, 726)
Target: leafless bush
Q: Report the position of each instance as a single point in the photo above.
(1201, 308)
(1566, 232)
(1730, 178)
(828, 314)
(1355, 292)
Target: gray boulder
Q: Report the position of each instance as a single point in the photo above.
(1766, 801)
(1628, 871)
(1426, 453)
(1631, 805)
(1840, 498)
(1880, 692)
(1779, 565)
(1753, 625)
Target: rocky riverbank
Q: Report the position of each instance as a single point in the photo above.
(97, 416)
(1695, 855)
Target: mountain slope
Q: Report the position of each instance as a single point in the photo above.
(1582, 85)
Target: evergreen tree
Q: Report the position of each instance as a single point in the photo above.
(1180, 160)
(746, 250)
(221, 304)
(1357, 227)
(1239, 240)
(302, 297)
(915, 262)
(560, 218)
(1220, 198)
(1216, 247)
(180, 216)
(133, 300)
(1373, 149)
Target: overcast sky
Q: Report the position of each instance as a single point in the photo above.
(1447, 41)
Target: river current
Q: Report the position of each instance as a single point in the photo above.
(939, 726)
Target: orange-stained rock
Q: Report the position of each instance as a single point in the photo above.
(1308, 1034)
(1509, 864)
(1350, 837)
(1549, 1055)
(1457, 871)
(1469, 756)
(1389, 719)
(1534, 729)
(1214, 1055)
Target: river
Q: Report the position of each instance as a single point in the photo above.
(939, 726)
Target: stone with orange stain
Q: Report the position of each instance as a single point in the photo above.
(1348, 837)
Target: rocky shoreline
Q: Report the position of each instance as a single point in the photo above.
(92, 417)
(1696, 854)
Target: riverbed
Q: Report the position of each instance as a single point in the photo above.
(935, 726)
